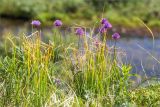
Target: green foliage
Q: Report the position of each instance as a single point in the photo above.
(59, 73)
(148, 96)
(100, 5)
(121, 11)
(22, 8)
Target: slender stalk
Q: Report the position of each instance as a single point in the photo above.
(114, 53)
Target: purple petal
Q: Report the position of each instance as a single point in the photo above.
(79, 31)
(116, 36)
(36, 23)
(58, 23)
(107, 25)
(103, 21)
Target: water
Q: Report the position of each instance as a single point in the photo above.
(142, 54)
(143, 63)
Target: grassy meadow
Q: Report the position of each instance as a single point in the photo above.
(71, 70)
(73, 65)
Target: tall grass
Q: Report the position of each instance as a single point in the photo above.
(25, 74)
(63, 73)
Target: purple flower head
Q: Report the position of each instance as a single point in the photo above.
(103, 21)
(79, 31)
(36, 23)
(107, 25)
(116, 36)
(58, 23)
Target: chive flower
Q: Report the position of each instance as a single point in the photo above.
(103, 21)
(57, 23)
(36, 23)
(79, 31)
(107, 25)
(116, 36)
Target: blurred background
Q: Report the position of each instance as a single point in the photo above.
(84, 12)
(16, 16)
